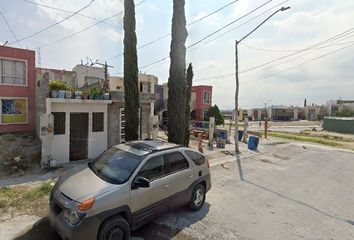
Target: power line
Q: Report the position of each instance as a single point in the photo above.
(12, 32)
(244, 23)
(169, 34)
(334, 38)
(212, 13)
(229, 24)
(68, 11)
(87, 28)
(209, 35)
(301, 50)
(311, 60)
(300, 64)
(57, 23)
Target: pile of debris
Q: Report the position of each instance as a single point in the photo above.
(20, 152)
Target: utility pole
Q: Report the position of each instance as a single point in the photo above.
(266, 119)
(105, 86)
(237, 150)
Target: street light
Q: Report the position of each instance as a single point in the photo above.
(237, 150)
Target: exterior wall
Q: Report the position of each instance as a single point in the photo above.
(113, 137)
(83, 71)
(114, 116)
(42, 93)
(197, 102)
(340, 125)
(55, 74)
(21, 92)
(159, 104)
(97, 141)
(116, 83)
(146, 84)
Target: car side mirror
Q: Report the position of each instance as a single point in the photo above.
(141, 182)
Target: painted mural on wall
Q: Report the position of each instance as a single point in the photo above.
(14, 111)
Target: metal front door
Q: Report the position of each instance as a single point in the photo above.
(78, 136)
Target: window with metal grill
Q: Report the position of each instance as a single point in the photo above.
(59, 123)
(97, 122)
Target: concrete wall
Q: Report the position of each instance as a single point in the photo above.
(340, 125)
(83, 71)
(19, 91)
(42, 93)
(97, 141)
(116, 83)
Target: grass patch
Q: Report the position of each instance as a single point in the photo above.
(25, 199)
(294, 137)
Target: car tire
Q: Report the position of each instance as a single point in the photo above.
(198, 198)
(116, 228)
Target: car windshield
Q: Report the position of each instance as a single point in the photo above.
(115, 166)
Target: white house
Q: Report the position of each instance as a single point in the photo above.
(78, 130)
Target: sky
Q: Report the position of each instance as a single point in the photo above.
(304, 52)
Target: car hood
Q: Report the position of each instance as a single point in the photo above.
(82, 183)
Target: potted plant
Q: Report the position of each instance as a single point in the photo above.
(94, 92)
(56, 86)
(69, 92)
(84, 94)
(78, 93)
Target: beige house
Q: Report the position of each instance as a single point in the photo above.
(88, 75)
(146, 84)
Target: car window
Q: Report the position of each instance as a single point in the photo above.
(115, 166)
(153, 169)
(197, 158)
(176, 161)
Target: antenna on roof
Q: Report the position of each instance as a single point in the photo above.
(5, 43)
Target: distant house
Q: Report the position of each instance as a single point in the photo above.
(334, 106)
(200, 102)
(88, 75)
(17, 90)
(283, 113)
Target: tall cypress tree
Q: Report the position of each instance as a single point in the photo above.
(189, 83)
(130, 73)
(176, 81)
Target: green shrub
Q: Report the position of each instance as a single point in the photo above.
(57, 85)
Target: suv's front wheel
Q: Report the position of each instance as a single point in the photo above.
(198, 198)
(116, 228)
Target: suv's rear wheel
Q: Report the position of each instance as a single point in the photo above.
(198, 198)
(116, 228)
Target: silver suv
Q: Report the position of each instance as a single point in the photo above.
(127, 186)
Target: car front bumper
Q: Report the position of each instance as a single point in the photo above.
(87, 229)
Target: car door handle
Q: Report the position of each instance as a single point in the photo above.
(166, 186)
(190, 176)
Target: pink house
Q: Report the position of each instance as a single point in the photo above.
(17, 90)
(200, 101)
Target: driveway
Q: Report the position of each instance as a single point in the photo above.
(288, 192)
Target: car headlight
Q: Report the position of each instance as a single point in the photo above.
(74, 216)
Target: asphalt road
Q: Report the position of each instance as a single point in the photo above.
(289, 192)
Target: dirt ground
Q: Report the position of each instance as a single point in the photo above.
(20, 155)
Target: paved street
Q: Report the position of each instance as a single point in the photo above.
(288, 192)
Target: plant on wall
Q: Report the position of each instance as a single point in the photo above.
(94, 92)
(57, 85)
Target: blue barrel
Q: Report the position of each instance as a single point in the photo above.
(253, 143)
(222, 135)
(240, 135)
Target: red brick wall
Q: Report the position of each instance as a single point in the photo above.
(20, 91)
